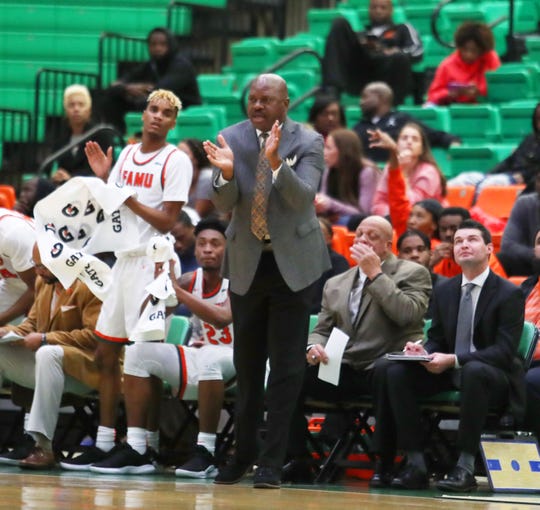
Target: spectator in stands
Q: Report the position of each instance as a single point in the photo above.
(412, 160)
(415, 245)
(339, 265)
(32, 191)
(384, 51)
(518, 168)
(461, 77)
(482, 361)
(450, 219)
(77, 122)
(377, 113)
(518, 251)
(442, 259)
(349, 179)
(380, 305)
(54, 356)
(183, 232)
(326, 114)
(167, 69)
(17, 275)
(199, 371)
(201, 184)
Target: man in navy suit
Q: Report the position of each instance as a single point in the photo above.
(272, 267)
(474, 350)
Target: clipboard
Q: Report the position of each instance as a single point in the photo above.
(400, 356)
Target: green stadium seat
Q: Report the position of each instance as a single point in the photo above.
(301, 40)
(24, 17)
(434, 53)
(475, 123)
(217, 85)
(443, 160)
(254, 54)
(353, 114)
(509, 82)
(516, 121)
(419, 16)
(320, 20)
(436, 118)
(533, 48)
(468, 158)
(203, 122)
(49, 46)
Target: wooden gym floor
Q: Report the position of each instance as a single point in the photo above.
(60, 490)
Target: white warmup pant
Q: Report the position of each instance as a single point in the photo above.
(42, 371)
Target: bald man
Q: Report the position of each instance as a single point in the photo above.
(376, 103)
(54, 355)
(380, 305)
(275, 254)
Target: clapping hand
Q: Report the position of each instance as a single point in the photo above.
(220, 156)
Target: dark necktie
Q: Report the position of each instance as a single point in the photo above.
(464, 321)
(259, 226)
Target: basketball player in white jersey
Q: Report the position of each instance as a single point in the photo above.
(17, 275)
(202, 370)
(161, 176)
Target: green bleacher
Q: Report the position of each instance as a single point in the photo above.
(64, 34)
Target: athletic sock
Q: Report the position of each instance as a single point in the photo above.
(207, 440)
(105, 438)
(136, 438)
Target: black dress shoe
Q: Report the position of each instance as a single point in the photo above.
(299, 471)
(382, 476)
(267, 478)
(458, 480)
(410, 478)
(232, 472)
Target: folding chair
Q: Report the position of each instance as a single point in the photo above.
(460, 196)
(499, 200)
(446, 405)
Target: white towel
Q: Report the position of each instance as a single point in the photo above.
(82, 217)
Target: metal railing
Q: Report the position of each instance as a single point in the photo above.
(435, 18)
(49, 161)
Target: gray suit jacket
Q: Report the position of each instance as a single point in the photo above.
(298, 245)
(391, 311)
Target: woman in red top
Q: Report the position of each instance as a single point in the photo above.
(461, 77)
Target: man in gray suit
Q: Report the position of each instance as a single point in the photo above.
(272, 260)
(380, 305)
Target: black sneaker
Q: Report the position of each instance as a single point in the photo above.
(85, 460)
(125, 460)
(201, 465)
(20, 452)
(232, 472)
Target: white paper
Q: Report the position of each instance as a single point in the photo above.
(334, 348)
(10, 337)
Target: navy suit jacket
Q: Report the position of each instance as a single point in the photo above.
(498, 323)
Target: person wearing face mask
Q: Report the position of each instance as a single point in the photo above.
(165, 69)
(411, 164)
